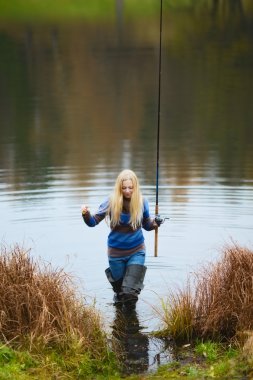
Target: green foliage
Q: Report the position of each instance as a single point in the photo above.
(6, 355)
(208, 360)
(80, 365)
(15, 364)
(209, 350)
(53, 363)
(46, 10)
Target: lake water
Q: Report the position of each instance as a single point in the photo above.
(78, 103)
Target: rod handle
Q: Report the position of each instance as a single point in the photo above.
(156, 242)
(156, 234)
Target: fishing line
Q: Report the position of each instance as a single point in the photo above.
(158, 126)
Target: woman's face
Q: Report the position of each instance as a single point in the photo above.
(127, 188)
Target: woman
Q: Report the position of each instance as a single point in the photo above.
(128, 212)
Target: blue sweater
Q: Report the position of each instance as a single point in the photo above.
(122, 240)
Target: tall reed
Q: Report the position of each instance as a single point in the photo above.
(217, 301)
(40, 304)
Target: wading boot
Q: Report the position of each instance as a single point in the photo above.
(116, 286)
(132, 284)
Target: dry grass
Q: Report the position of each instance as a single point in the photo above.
(224, 294)
(248, 347)
(177, 314)
(38, 304)
(218, 303)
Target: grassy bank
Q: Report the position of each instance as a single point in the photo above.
(217, 301)
(70, 10)
(58, 10)
(203, 361)
(89, 10)
(46, 328)
(49, 332)
(67, 10)
(211, 319)
(208, 360)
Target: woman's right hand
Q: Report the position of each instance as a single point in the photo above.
(84, 209)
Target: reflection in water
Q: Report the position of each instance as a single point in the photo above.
(139, 352)
(54, 102)
(230, 8)
(56, 94)
(133, 344)
(119, 18)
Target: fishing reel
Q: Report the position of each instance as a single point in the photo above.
(159, 220)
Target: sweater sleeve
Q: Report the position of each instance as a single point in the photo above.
(147, 223)
(93, 220)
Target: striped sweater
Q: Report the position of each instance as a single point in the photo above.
(122, 240)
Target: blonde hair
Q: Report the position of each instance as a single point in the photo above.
(116, 200)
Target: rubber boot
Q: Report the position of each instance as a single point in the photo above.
(116, 286)
(132, 284)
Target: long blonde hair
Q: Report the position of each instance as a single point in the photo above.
(116, 200)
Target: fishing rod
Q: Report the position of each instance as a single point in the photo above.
(158, 128)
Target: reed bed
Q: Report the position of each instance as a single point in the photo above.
(247, 348)
(217, 301)
(39, 304)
